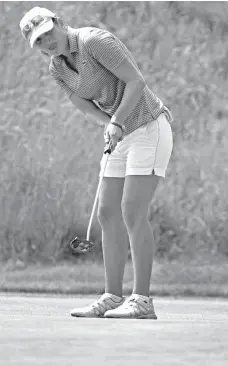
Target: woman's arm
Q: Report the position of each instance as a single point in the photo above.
(90, 110)
(135, 84)
(107, 49)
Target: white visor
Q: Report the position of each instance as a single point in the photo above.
(39, 30)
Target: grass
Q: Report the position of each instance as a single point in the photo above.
(207, 277)
(48, 175)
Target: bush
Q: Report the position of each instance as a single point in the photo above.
(50, 154)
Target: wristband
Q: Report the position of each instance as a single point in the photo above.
(118, 125)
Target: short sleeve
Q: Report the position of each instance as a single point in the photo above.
(106, 49)
(66, 89)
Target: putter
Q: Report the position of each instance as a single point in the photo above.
(79, 245)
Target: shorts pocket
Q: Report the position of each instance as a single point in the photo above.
(151, 127)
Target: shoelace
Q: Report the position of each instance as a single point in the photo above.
(100, 304)
(130, 303)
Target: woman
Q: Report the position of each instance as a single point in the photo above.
(101, 78)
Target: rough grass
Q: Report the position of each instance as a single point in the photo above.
(49, 159)
(177, 278)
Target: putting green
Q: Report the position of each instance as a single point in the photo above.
(38, 330)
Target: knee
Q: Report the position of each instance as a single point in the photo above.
(105, 213)
(133, 214)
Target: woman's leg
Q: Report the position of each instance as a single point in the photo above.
(114, 234)
(138, 193)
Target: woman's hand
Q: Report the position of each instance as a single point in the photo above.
(113, 133)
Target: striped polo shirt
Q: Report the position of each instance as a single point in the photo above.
(96, 54)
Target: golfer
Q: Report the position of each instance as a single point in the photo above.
(101, 78)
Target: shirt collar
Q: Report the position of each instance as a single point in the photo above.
(73, 39)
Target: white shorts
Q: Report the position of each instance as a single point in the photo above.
(145, 150)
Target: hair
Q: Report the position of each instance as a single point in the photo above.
(58, 20)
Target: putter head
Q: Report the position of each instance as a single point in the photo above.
(79, 245)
